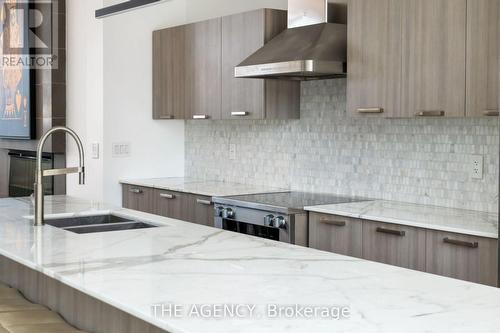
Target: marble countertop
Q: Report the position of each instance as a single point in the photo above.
(209, 188)
(189, 265)
(431, 217)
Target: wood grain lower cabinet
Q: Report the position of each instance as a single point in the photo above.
(462, 257)
(200, 210)
(336, 234)
(184, 206)
(169, 204)
(138, 198)
(394, 245)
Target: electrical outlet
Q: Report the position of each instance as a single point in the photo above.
(121, 149)
(95, 150)
(232, 151)
(477, 166)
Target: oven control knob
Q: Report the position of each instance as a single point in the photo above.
(269, 220)
(219, 211)
(280, 222)
(228, 213)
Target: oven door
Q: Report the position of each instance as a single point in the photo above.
(252, 222)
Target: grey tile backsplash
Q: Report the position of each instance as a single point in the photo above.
(424, 161)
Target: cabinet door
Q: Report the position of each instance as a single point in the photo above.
(434, 48)
(203, 69)
(242, 35)
(394, 245)
(137, 198)
(170, 204)
(168, 73)
(335, 234)
(483, 56)
(374, 58)
(200, 210)
(462, 257)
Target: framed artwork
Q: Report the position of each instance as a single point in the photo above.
(17, 80)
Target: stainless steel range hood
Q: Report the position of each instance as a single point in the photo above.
(311, 48)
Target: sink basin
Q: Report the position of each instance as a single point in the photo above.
(99, 223)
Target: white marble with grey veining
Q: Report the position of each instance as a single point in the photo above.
(185, 264)
(460, 221)
(209, 188)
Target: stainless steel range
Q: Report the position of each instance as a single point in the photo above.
(277, 216)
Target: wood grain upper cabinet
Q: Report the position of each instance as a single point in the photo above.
(203, 69)
(335, 234)
(242, 35)
(394, 245)
(483, 53)
(462, 257)
(168, 73)
(374, 57)
(434, 49)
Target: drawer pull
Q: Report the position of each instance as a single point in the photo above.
(334, 223)
(370, 110)
(167, 196)
(491, 113)
(200, 116)
(472, 245)
(135, 191)
(391, 232)
(239, 114)
(204, 202)
(434, 113)
(166, 117)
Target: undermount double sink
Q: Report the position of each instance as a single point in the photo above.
(98, 223)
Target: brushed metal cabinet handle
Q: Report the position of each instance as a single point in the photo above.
(239, 114)
(135, 191)
(166, 117)
(334, 223)
(491, 113)
(204, 202)
(167, 196)
(472, 245)
(391, 232)
(200, 116)
(370, 110)
(433, 113)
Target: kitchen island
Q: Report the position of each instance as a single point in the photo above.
(160, 274)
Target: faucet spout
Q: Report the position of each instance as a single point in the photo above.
(39, 191)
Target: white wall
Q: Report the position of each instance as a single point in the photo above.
(110, 89)
(84, 92)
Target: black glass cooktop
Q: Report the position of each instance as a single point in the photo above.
(285, 201)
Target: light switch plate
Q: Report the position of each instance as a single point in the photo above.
(95, 150)
(121, 149)
(477, 166)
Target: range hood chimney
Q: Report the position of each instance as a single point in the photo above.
(311, 48)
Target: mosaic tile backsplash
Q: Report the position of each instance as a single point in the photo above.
(425, 161)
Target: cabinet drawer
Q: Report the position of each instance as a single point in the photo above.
(137, 198)
(336, 234)
(200, 210)
(462, 257)
(394, 245)
(170, 204)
